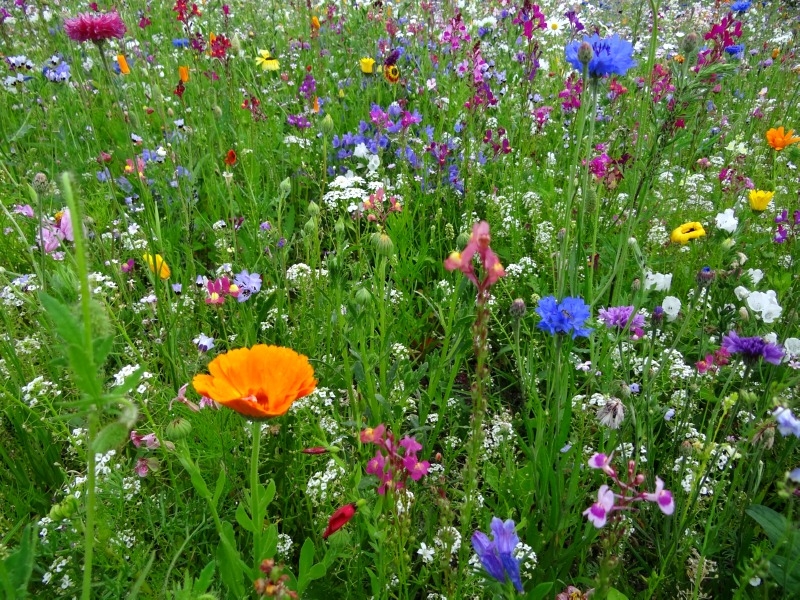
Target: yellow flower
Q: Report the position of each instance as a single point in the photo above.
(157, 265)
(266, 61)
(391, 73)
(259, 382)
(760, 199)
(686, 232)
(367, 65)
(123, 64)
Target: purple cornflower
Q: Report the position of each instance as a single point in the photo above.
(622, 317)
(752, 348)
(609, 55)
(567, 316)
(497, 555)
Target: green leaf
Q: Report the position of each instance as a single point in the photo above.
(540, 591)
(80, 360)
(777, 528)
(267, 495)
(269, 543)
(137, 586)
(306, 558)
(243, 519)
(194, 474)
(220, 486)
(206, 575)
(16, 569)
(111, 436)
(614, 594)
(231, 566)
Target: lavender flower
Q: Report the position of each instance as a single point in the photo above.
(203, 342)
(248, 283)
(788, 424)
(622, 317)
(497, 555)
(752, 348)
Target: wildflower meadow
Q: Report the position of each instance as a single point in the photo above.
(400, 299)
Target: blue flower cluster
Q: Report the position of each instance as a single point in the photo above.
(609, 55)
(567, 316)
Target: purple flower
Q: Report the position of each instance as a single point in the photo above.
(598, 512)
(203, 342)
(97, 28)
(248, 283)
(752, 348)
(567, 316)
(788, 424)
(621, 317)
(497, 555)
(661, 497)
(25, 210)
(610, 55)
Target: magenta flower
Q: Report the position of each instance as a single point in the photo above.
(602, 462)
(598, 512)
(150, 440)
(661, 497)
(97, 28)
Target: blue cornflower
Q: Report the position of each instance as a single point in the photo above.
(609, 55)
(567, 316)
(497, 555)
(180, 42)
(741, 6)
(736, 50)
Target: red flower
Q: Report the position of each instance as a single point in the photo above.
(98, 28)
(230, 158)
(339, 519)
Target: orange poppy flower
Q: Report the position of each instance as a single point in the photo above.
(183, 74)
(258, 382)
(779, 139)
(230, 158)
(123, 65)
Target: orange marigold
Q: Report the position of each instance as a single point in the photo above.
(259, 382)
(779, 139)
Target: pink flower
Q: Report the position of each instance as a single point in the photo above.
(98, 28)
(598, 512)
(478, 244)
(662, 497)
(142, 467)
(24, 209)
(181, 397)
(602, 462)
(373, 435)
(416, 469)
(150, 440)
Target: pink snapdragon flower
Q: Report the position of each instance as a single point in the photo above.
(478, 244)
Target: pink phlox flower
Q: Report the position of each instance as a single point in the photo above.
(598, 512)
(662, 497)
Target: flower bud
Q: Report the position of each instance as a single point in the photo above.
(179, 428)
(326, 124)
(690, 42)
(340, 226)
(217, 111)
(64, 510)
(705, 276)
(40, 183)
(313, 209)
(585, 53)
(518, 308)
(285, 186)
(462, 239)
(310, 227)
(743, 314)
(382, 243)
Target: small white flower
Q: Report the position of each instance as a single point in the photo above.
(426, 552)
(671, 306)
(727, 221)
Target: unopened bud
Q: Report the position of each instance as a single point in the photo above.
(363, 296)
(310, 227)
(313, 209)
(518, 308)
(382, 243)
(326, 124)
(743, 314)
(217, 111)
(690, 42)
(462, 239)
(585, 53)
(179, 428)
(636, 284)
(285, 186)
(705, 277)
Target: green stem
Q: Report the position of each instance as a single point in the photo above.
(88, 531)
(255, 497)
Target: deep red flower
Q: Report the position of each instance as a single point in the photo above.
(339, 519)
(230, 158)
(98, 28)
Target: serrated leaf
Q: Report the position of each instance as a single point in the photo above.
(206, 575)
